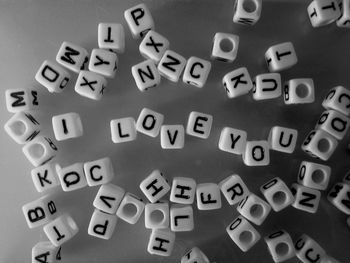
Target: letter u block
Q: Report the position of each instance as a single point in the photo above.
(283, 139)
(267, 86)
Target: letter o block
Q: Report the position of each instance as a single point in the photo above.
(256, 153)
(149, 122)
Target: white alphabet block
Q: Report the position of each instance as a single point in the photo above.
(323, 12)
(280, 246)
(257, 153)
(157, 215)
(99, 171)
(305, 198)
(131, 208)
(267, 86)
(172, 136)
(199, 124)
(45, 177)
(234, 189)
(146, 75)
(183, 190)
(139, 20)
(254, 209)
(108, 198)
(338, 99)
(44, 251)
(67, 126)
(280, 57)
(40, 150)
(72, 177)
(103, 62)
(111, 36)
(283, 139)
(90, 85)
(102, 225)
(154, 186)
(181, 218)
(339, 196)
(314, 175)
(344, 19)
(208, 196)
(225, 47)
(21, 100)
(171, 65)
(161, 242)
(237, 82)
(232, 140)
(72, 56)
(299, 91)
(123, 130)
(334, 123)
(153, 46)
(308, 250)
(196, 72)
(247, 12)
(194, 255)
(149, 122)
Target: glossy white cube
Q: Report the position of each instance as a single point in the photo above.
(130, 208)
(338, 98)
(199, 124)
(67, 126)
(90, 85)
(40, 150)
(339, 196)
(171, 65)
(72, 177)
(183, 190)
(225, 47)
(314, 175)
(102, 225)
(281, 57)
(232, 140)
(305, 199)
(172, 136)
(123, 130)
(299, 91)
(45, 177)
(181, 218)
(108, 198)
(149, 122)
(103, 62)
(234, 189)
(257, 153)
(111, 36)
(154, 186)
(237, 82)
(308, 250)
(153, 46)
(161, 242)
(344, 19)
(157, 215)
(72, 56)
(283, 139)
(208, 196)
(334, 123)
(99, 171)
(194, 255)
(267, 86)
(44, 251)
(247, 12)
(280, 246)
(323, 12)
(21, 100)
(146, 75)
(139, 20)
(254, 209)
(196, 72)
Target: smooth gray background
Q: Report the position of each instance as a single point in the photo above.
(32, 31)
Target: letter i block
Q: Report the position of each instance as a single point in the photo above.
(154, 186)
(102, 225)
(146, 75)
(72, 56)
(237, 82)
(232, 140)
(139, 20)
(280, 57)
(199, 124)
(90, 85)
(123, 130)
(234, 189)
(161, 242)
(196, 72)
(99, 171)
(67, 126)
(149, 122)
(45, 252)
(208, 196)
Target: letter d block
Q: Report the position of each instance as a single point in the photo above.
(102, 225)
(161, 242)
(71, 177)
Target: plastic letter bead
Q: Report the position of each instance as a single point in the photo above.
(153, 46)
(161, 242)
(90, 85)
(199, 124)
(99, 171)
(299, 91)
(280, 246)
(72, 56)
(131, 208)
(67, 126)
(196, 71)
(102, 225)
(52, 76)
(319, 144)
(111, 36)
(123, 130)
(344, 19)
(225, 47)
(139, 20)
(60, 230)
(171, 65)
(280, 57)
(283, 139)
(40, 150)
(172, 136)
(149, 122)
(338, 99)
(181, 218)
(44, 251)
(21, 100)
(339, 196)
(254, 209)
(72, 177)
(308, 251)
(108, 198)
(45, 177)
(256, 153)
(267, 86)
(103, 62)
(208, 196)
(232, 140)
(323, 12)
(334, 123)
(243, 233)
(237, 82)
(146, 75)
(306, 199)
(247, 12)
(157, 215)
(314, 175)
(194, 255)
(22, 127)
(154, 186)
(183, 190)
(277, 194)
(234, 189)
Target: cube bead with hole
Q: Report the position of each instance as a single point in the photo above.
(99, 171)
(196, 72)
(111, 36)
(123, 130)
(22, 127)
(157, 215)
(305, 198)
(308, 250)
(339, 196)
(319, 144)
(154, 186)
(139, 20)
(103, 62)
(183, 190)
(243, 233)
(234, 189)
(280, 246)
(314, 175)
(108, 198)
(267, 86)
(237, 82)
(60, 230)
(130, 208)
(283, 139)
(45, 177)
(181, 218)
(172, 136)
(323, 12)
(161, 242)
(40, 150)
(333, 122)
(208, 196)
(149, 122)
(254, 209)
(299, 91)
(225, 47)
(338, 99)
(67, 126)
(232, 140)
(153, 46)
(90, 85)
(40, 211)
(344, 19)
(146, 75)
(194, 255)
(247, 12)
(21, 100)
(277, 194)
(199, 124)
(52, 76)
(72, 56)
(102, 225)
(171, 65)
(44, 251)
(72, 177)
(257, 153)
(281, 57)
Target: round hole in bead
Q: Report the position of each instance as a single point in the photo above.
(323, 145)
(302, 90)
(318, 176)
(19, 128)
(282, 249)
(157, 216)
(130, 210)
(249, 6)
(37, 150)
(256, 210)
(226, 45)
(279, 197)
(246, 237)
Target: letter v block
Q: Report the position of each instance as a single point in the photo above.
(172, 136)
(108, 198)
